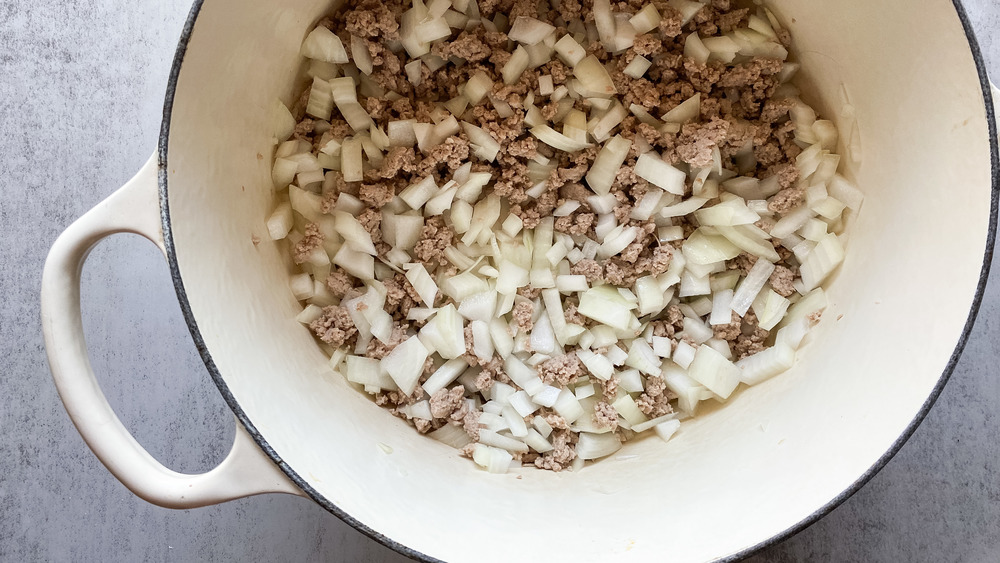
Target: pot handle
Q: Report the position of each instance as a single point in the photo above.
(246, 471)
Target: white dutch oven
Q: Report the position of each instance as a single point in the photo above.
(774, 460)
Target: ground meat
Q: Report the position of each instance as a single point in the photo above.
(556, 421)
(654, 406)
(670, 21)
(339, 283)
(377, 195)
(605, 416)
(564, 369)
(589, 268)
(467, 46)
(312, 240)
(335, 327)
(697, 141)
(523, 311)
(731, 330)
(378, 349)
(575, 223)
(609, 387)
(752, 339)
(446, 401)
(434, 239)
(396, 160)
(572, 315)
(781, 281)
(785, 200)
(563, 452)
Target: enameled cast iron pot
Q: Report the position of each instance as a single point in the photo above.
(769, 463)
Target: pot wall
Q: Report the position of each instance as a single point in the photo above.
(732, 477)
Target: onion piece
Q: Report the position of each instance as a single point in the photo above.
(695, 49)
(639, 64)
(686, 111)
(606, 165)
(744, 237)
(714, 371)
(605, 305)
(529, 31)
(594, 78)
(324, 45)
(824, 258)
(280, 222)
(652, 168)
(557, 140)
(405, 364)
(604, 20)
(352, 166)
(494, 460)
(515, 66)
(751, 286)
(477, 87)
(766, 364)
(645, 20)
(282, 121)
(483, 144)
(703, 248)
(569, 50)
(422, 282)
(594, 446)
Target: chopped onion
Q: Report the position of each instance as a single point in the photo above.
(751, 239)
(324, 45)
(353, 232)
(445, 375)
(569, 50)
(695, 49)
(639, 64)
(606, 165)
(599, 366)
(405, 364)
(515, 66)
(452, 435)
(824, 258)
(494, 460)
(529, 31)
(645, 20)
(770, 308)
(557, 140)
(667, 429)
(844, 191)
(766, 364)
(652, 168)
(751, 286)
(484, 145)
(605, 305)
(568, 407)
(714, 371)
(642, 358)
(594, 446)
(594, 78)
(422, 282)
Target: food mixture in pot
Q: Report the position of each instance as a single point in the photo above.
(536, 230)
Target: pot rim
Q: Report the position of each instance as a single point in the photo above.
(819, 513)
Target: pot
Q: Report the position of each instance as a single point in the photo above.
(775, 459)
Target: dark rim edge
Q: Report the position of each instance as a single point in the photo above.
(227, 395)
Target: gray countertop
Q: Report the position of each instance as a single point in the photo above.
(81, 91)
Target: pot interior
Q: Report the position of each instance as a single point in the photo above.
(732, 477)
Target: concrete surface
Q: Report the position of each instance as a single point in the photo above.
(81, 89)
